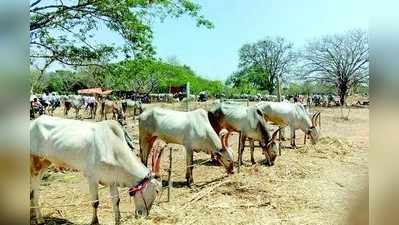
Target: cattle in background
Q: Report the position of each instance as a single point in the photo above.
(128, 104)
(91, 105)
(114, 107)
(247, 120)
(190, 129)
(72, 101)
(99, 151)
(55, 102)
(203, 96)
(316, 99)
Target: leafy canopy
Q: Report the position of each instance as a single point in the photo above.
(63, 31)
(262, 63)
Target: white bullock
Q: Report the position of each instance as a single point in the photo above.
(91, 104)
(128, 104)
(190, 129)
(114, 107)
(247, 120)
(293, 115)
(72, 101)
(99, 151)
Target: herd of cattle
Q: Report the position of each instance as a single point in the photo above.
(95, 107)
(101, 150)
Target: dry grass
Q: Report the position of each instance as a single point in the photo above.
(313, 184)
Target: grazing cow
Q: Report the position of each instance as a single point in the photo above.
(91, 104)
(99, 150)
(108, 106)
(191, 129)
(247, 120)
(130, 104)
(293, 115)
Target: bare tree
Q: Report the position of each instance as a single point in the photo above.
(341, 60)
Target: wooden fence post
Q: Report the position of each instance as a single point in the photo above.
(239, 152)
(279, 145)
(170, 183)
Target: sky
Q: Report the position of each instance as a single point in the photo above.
(213, 53)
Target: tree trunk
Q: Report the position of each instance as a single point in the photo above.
(342, 100)
(278, 89)
(342, 92)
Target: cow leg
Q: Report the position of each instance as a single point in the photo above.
(293, 145)
(304, 139)
(189, 166)
(242, 146)
(93, 188)
(115, 202)
(38, 167)
(282, 131)
(252, 147)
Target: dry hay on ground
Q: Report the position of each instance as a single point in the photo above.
(313, 184)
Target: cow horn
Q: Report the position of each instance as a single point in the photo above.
(314, 119)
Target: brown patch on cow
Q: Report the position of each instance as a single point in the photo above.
(150, 140)
(38, 164)
(228, 127)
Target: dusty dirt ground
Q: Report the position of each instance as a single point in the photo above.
(309, 185)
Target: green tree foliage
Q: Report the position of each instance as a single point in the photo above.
(63, 31)
(146, 75)
(261, 63)
(139, 75)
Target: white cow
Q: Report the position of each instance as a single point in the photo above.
(247, 120)
(114, 107)
(72, 101)
(128, 104)
(191, 129)
(90, 104)
(293, 115)
(99, 151)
